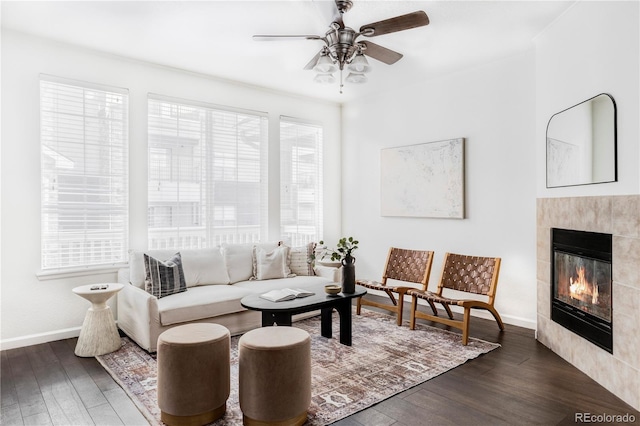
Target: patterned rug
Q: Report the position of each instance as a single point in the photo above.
(384, 360)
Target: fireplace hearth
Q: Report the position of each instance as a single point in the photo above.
(581, 279)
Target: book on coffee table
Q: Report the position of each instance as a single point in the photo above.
(286, 294)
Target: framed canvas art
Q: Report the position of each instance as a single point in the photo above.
(423, 180)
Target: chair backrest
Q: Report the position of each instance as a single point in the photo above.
(408, 265)
(472, 274)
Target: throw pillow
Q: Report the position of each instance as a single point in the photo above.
(164, 278)
(301, 259)
(239, 259)
(271, 264)
(204, 267)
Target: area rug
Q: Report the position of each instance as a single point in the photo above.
(384, 360)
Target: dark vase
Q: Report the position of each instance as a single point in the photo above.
(348, 274)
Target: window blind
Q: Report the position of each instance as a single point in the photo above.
(84, 174)
(207, 175)
(300, 181)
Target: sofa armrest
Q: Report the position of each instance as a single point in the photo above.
(331, 273)
(123, 276)
(138, 314)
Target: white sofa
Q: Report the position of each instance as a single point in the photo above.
(216, 280)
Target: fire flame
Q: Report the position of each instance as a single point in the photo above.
(581, 289)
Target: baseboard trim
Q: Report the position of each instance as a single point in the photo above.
(507, 319)
(52, 336)
(36, 339)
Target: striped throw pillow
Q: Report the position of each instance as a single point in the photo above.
(301, 259)
(164, 278)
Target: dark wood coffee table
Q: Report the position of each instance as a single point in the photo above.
(280, 313)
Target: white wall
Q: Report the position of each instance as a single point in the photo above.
(34, 311)
(493, 108)
(592, 48)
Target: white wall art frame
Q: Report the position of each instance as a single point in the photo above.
(423, 180)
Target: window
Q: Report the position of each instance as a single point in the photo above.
(300, 181)
(84, 197)
(207, 175)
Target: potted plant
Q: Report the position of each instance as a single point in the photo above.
(342, 253)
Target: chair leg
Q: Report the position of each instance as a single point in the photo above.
(400, 307)
(448, 309)
(414, 306)
(358, 305)
(433, 308)
(393, 299)
(496, 315)
(465, 326)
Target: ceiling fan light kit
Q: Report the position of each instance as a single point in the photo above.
(324, 79)
(356, 78)
(359, 64)
(341, 48)
(325, 65)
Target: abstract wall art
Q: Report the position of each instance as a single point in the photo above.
(423, 180)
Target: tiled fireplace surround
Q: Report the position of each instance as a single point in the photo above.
(620, 216)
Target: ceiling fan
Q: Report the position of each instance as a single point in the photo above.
(342, 50)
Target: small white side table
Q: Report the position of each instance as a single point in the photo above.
(99, 334)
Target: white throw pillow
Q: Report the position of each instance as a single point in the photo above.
(239, 259)
(204, 267)
(271, 264)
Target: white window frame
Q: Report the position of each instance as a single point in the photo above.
(301, 181)
(218, 166)
(83, 141)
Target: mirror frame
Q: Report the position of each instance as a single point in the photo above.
(614, 147)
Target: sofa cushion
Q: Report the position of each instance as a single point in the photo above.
(164, 277)
(239, 259)
(259, 287)
(271, 264)
(201, 302)
(200, 266)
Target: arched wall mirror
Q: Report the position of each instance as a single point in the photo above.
(581, 144)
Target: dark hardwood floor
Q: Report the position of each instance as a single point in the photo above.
(48, 385)
(520, 383)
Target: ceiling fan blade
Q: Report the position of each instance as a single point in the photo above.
(261, 37)
(312, 63)
(380, 53)
(392, 25)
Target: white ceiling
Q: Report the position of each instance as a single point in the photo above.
(214, 37)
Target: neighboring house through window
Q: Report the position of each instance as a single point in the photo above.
(207, 175)
(84, 174)
(300, 181)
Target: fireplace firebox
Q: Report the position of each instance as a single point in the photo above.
(581, 298)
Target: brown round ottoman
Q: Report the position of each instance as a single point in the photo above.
(193, 373)
(275, 376)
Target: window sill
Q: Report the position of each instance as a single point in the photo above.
(78, 272)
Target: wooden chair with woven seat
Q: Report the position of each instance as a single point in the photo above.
(411, 266)
(470, 274)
